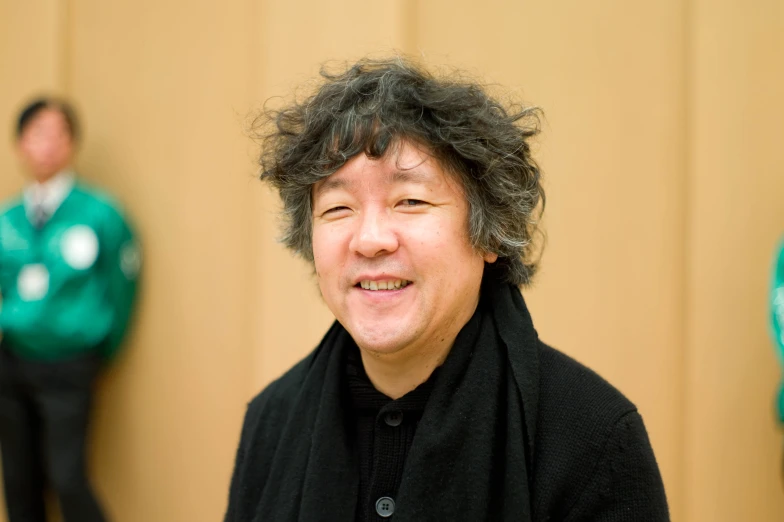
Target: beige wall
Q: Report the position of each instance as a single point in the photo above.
(28, 66)
(736, 175)
(663, 124)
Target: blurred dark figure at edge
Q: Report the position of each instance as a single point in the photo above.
(68, 269)
(777, 325)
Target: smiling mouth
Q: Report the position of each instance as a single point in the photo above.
(390, 284)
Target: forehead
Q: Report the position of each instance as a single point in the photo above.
(47, 119)
(404, 164)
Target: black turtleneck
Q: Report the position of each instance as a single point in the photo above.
(384, 431)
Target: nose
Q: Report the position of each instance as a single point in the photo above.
(375, 235)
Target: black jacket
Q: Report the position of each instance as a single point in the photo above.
(513, 430)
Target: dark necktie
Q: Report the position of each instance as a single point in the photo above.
(40, 216)
(40, 213)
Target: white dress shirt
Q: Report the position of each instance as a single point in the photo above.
(41, 200)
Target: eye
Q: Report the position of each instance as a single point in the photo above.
(334, 210)
(411, 203)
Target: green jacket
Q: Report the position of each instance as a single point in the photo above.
(67, 287)
(777, 317)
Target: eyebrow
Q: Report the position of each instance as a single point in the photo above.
(332, 183)
(413, 175)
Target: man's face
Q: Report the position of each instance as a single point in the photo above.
(45, 146)
(392, 253)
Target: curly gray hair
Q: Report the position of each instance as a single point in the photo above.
(377, 103)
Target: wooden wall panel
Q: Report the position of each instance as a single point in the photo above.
(164, 89)
(732, 451)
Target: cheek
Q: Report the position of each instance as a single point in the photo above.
(26, 149)
(320, 254)
(327, 248)
(65, 149)
(451, 252)
(441, 239)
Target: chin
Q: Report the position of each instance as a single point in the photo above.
(369, 340)
(43, 175)
(377, 330)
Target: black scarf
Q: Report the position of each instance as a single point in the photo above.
(472, 455)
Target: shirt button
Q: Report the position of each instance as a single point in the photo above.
(385, 507)
(393, 418)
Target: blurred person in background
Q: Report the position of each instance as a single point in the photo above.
(69, 264)
(777, 323)
(416, 199)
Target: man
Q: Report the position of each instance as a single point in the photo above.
(68, 269)
(431, 398)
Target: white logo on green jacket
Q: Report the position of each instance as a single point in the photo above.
(79, 246)
(33, 282)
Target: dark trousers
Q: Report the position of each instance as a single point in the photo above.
(44, 412)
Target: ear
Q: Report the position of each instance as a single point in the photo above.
(490, 257)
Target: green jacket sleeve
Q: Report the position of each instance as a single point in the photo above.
(2, 294)
(122, 257)
(777, 316)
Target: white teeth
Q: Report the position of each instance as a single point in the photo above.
(391, 284)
